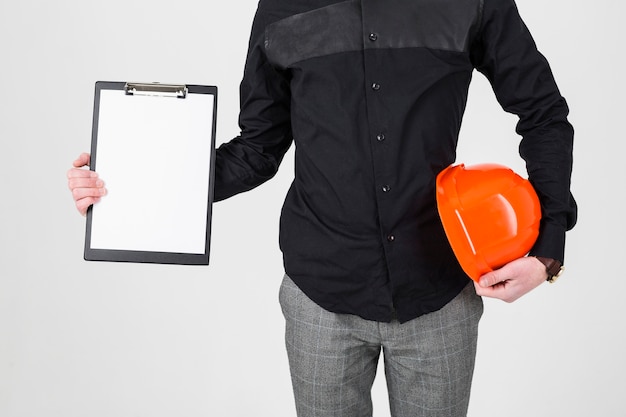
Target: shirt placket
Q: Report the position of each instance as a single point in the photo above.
(379, 138)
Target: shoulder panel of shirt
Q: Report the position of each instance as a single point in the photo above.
(346, 26)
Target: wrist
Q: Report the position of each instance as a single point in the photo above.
(554, 268)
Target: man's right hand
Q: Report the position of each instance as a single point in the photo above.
(84, 184)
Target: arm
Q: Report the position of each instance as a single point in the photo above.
(253, 157)
(246, 161)
(505, 53)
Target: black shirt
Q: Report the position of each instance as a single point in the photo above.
(372, 93)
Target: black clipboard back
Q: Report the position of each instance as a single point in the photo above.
(154, 146)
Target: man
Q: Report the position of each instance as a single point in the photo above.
(372, 93)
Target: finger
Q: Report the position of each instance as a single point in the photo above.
(83, 204)
(81, 193)
(82, 160)
(498, 291)
(81, 178)
(76, 172)
(85, 182)
(491, 278)
(482, 291)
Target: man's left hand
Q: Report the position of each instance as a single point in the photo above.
(513, 280)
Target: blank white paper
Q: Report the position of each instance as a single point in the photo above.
(154, 155)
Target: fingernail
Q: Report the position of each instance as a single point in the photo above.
(484, 283)
(99, 183)
(93, 174)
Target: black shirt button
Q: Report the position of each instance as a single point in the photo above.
(391, 238)
(375, 86)
(373, 37)
(380, 137)
(386, 188)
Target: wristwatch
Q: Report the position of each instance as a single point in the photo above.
(553, 268)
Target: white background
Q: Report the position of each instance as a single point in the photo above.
(103, 339)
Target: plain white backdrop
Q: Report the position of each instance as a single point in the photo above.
(116, 340)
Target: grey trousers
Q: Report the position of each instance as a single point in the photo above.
(429, 361)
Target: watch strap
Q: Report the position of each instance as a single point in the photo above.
(553, 267)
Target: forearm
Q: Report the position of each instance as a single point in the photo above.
(240, 168)
(265, 121)
(524, 85)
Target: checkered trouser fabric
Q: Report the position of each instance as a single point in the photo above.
(428, 361)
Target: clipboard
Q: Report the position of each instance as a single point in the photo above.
(154, 147)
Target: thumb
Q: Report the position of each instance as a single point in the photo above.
(490, 279)
(82, 160)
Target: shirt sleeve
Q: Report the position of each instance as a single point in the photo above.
(254, 156)
(506, 54)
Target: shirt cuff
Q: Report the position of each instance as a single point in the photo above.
(550, 243)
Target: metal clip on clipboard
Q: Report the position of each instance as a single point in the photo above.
(156, 89)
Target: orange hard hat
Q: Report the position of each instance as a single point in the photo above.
(489, 213)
